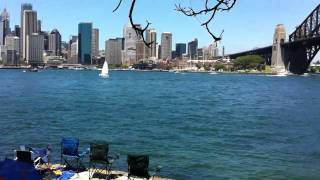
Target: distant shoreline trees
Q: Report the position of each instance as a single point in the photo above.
(249, 62)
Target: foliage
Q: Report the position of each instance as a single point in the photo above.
(199, 65)
(124, 66)
(218, 67)
(249, 62)
(207, 66)
(1, 62)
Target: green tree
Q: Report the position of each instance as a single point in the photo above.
(249, 62)
(218, 67)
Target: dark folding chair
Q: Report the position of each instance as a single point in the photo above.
(99, 156)
(70, 155)
(138, 166)
(24, 156)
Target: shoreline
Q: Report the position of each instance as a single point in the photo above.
(177, 71)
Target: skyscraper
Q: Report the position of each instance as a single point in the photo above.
(95, 42)
(151, 36)
(130, 40)
(34, 47)
(84, 43)
(39, 26)
(180, 49)
(4, 26)
(166, 45)
(114, 49)
(55, 42)
(24, 7)
(29, 27)
(192, 49)
(140, 50)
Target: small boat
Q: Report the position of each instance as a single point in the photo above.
(105, 70)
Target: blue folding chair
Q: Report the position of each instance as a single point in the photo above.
(70, 155)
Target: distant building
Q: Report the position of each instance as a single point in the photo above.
(113, 50)
(84, 43)
(192, 49)
(74, 53)
(24, 7)
(200, 54)
(54, 41)
(29, 27)
(277, 55)
(34, 46)
(39, 26)
(166, 45)
(4, 26)
(211, 52)
(140, 50)
(130, 40)
(151, 37)
(95, 42)
(173, 54)
(13, 47)
(180, 50)
(17, 31)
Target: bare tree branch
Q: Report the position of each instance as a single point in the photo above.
(139, 30)
(221, 5)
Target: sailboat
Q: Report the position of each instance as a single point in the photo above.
(105, 70)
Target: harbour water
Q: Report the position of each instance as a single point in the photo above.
(196, 125)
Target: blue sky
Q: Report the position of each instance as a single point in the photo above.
(250, 24)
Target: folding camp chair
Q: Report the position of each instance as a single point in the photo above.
(99, 156)
(138, 166)
(70, 155)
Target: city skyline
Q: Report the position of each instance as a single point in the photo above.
(253, 33)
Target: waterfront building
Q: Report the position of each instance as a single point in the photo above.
(74, 53)
(173, 54)
(34, 47)
(180, 50)
(3, 52)
(4, 26)
(13, 45)
(2, 32)
(54, 41)
(84, 43)
(29, 27)
(151, 37)
(192, 49)
(113, 51)
(130, 40)
(158, 51)
(166, 45)
(140, 50)
(95, 42)
(277, 55)
(24, 7)
(200, 54)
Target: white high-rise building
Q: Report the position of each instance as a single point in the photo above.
(34, 46)
(151, 37)
(29, 27)
(166, 45)
(13, 45)
(113, 51)
(25, 6)
(130, 40)
(95, 42)
(74, 52)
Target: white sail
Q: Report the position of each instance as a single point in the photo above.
(105, 70)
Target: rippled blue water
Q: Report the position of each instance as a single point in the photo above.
(198, 126)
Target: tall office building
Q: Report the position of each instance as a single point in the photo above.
(38, 26)
(192, 49)
(166, 45)
(130, 40)
(84, 43)
(140, 50)
(24, 7)
(95, 42)
(13, 47)
(113, 50)
(151, 37)
(29, 27)
(17, 31)
(34, 48)
(4, 26)
(55, 42)
(180, 50)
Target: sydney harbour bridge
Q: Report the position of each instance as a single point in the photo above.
(299, 51)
